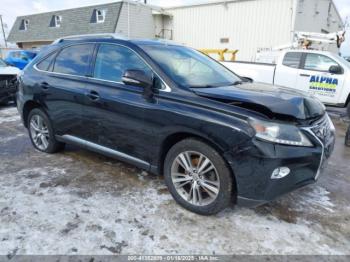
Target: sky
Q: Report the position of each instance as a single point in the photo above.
(10, 9)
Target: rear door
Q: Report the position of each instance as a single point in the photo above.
(287, 71)
(62, 85)
(314, 77)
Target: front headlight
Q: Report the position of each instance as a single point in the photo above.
(279, 133)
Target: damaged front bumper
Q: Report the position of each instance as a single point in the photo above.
(8, 87)
(254, 165)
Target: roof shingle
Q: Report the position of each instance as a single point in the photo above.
(75, 21)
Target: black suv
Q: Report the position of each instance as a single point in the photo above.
(171, 110)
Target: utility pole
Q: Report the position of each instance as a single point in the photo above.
(3, 30)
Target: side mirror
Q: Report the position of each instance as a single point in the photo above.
(335, 69)
(139, 78)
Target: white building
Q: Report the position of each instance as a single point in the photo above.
(250, 25)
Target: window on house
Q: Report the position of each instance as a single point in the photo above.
(98, 16)
(56, 21)
(24, 25)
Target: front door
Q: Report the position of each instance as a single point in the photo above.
(114, 112)
(314, 77)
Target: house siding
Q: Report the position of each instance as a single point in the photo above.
(251, 25)
(248, 25)
(141, 23)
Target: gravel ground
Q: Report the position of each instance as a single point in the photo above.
(78, 202)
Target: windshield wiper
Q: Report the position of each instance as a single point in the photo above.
(236, 83)
(207, 86)
(218, 85)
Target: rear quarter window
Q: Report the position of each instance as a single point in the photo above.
(45, 64)
(74, 60)
(292, 59)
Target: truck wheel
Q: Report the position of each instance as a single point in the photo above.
(198, 178)
(41, 132)
(348, 109)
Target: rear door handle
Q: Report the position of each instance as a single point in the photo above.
(93, 95)
(305, 75)
(45, 85)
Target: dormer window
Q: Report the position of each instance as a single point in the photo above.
(56, 21)
(98, 16)
(24, 25)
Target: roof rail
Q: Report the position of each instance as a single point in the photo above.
(79, 37)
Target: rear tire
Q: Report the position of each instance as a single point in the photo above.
(41, 132)
(348, 109)
(205, 187)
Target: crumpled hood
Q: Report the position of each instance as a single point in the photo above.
(9, 70)
(273, 99)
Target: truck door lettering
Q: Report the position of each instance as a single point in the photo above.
(323, 85)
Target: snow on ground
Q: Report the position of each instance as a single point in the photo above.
(54, 219)
(9, 115)
(317, 197)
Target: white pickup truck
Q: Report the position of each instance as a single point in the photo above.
(324, 74)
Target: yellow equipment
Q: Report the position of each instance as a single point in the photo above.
(221, 53)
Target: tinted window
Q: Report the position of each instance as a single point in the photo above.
(112, 61)
(74, 60)
(319, 62)
(292, 59)
(44, 64)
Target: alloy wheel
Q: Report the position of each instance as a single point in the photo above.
(39, 132)
(195, 178)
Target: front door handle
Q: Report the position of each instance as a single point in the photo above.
(45, 85)
(305, 75)
(93, 95)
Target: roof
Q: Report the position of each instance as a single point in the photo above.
(78, 22)
(110, 38)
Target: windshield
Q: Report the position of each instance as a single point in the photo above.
(345, 60)
(2, 63)
(190, 68)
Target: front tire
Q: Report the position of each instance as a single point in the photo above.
(198, 177)
(41, 132)
(347, 137)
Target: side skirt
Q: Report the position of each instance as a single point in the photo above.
(104, 151)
